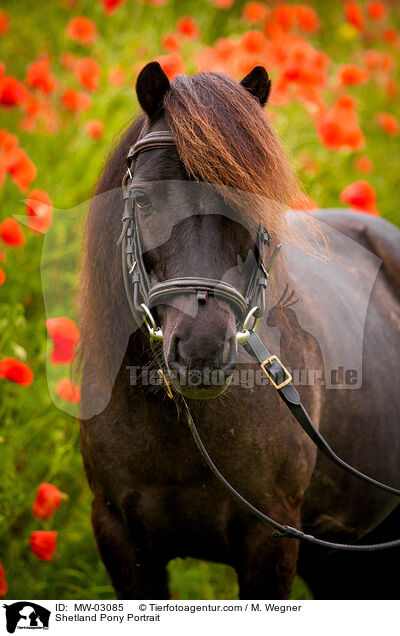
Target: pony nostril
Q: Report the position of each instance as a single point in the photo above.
(174, 358)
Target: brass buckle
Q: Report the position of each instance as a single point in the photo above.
(269, 361)
(168, 388)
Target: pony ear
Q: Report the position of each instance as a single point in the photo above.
(258, 84)
(151, 86)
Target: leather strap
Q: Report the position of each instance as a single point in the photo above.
(256, 348)
(188, 285)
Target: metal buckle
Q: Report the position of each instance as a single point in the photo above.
(269, 361)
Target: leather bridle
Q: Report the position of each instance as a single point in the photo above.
(142, 296)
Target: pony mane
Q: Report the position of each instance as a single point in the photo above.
(224, 137)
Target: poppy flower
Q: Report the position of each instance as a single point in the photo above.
(391, 35)
(171, 64)
(3, 582)
(82, 30)
(16, 162)
(156, 3)
(353, 14)
(4, 22)
(40, 211)
(11, 233)
(65, 335)
(352, 75)
(376, 10)
(364, 164)
(75, 100)
(254, 11)
(116, 76)
(306, 18)
(188, 28)
(12, 91)
(47, 501)
(388, 123)
(338, 127)
(253, 42)
(222, 4)
(377, 61)
(16, 371)
(2, 276)
(361, 196)
(171, 42)
(110, 6)
(43, 544)
(94, 128)
(87, 71)
(39, 76)
(68, 391)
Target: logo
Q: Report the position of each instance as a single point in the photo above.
(26, 615)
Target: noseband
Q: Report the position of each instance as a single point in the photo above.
(142, 295)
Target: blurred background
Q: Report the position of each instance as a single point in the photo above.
(67, 75)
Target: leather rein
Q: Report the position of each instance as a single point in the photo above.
(142, 296)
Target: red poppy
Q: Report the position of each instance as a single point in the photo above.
(254, 11)
(377, 61)
(94, 128)
(3, 582)
(188, 28)
(391, 88)
(68, 391)
(364, 164)
(391, 35)
(2, 276)
(39, 76)
(87, 71)
(361, 196)
(338, 127)
(16, 371)
(172, 64)
(75, 100)
(109, 6)
(48, 500)
(388, 123)
(17, 163)
(354, 15)
(116, 76)
(171, 42)
(307, 19)
(11, 233)
(223, 4)
(40, 211)
(43, 544)
(12, 91)
(4, 22)
(253, 42)
(352, 75)
(65, 335)
(376, 10)
(82, 30)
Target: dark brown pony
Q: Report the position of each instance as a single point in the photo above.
(154, 498)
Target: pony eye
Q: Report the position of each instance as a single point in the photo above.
(142, 200)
